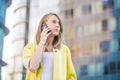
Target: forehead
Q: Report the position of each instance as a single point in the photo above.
(53, 17)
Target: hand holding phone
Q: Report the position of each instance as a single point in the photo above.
(45, 33)
(45, 26)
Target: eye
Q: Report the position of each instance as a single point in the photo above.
(54, 21)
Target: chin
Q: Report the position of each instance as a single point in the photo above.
(56, 34)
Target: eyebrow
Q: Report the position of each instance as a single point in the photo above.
(55, 20)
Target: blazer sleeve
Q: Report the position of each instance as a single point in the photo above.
(27, 53)
(71, 75)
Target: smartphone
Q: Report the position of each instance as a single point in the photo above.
(45, 26)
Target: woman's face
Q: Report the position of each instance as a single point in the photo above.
(53, 24)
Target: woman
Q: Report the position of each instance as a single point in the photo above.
(48, 58)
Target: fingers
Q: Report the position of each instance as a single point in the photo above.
(46, 30)
(45, 34)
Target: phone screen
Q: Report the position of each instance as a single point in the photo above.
(45, 26)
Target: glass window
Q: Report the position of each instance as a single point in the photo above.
(91, 28)
(98, 26)
(77, 70)
(104, 46)
(111, 24)
(104, 25)
(108, 4)
(96, 48)
(93, 7)
(96, 7)
(99, 69)
(86, 30)
(118, 66)
(113, 67)
(86, 9)
(71, 12)
(119, 43)
(77, 11)
(96, 69)
(106, 69)
(91, 70)
(79, 31)
(114, 45)
(66, 13)
(83, 71)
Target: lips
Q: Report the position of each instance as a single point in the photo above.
(56, 30)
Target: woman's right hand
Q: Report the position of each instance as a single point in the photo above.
(44, 35)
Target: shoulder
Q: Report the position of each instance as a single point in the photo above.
(29, 49)
(64, 47)
(30, 45)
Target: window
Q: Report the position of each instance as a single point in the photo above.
(113, 67)
(119, 43)
(104, 25)
(96, 48)
(99, 69)
(112, 24)
(77, 11)
(91, 28)
(118, 66)
(107, 4)
(91, 70)
(86, 9)
(96, 69)
(106, 69)
(114, 45)
(77, 70)
(69, 13)
(79, 31)
(66, 13)
(98, 27)
(83, 71)
(96, 7)
(104, 46)
(86, 30)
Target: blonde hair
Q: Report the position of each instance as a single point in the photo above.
(57, 39)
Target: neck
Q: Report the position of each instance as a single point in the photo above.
(50, 40)
(49, 46)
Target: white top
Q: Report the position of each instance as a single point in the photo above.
(47, 66)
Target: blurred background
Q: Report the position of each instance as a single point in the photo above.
(91, 31)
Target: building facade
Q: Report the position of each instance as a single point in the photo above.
(4, 4)
(92, 33)
(20, 33)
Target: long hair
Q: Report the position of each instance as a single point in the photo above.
(57, 39)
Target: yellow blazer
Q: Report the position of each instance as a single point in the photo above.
(63, 66)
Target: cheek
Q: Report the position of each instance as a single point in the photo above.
(59, 28)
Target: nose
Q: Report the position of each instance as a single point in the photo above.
(57, 25)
